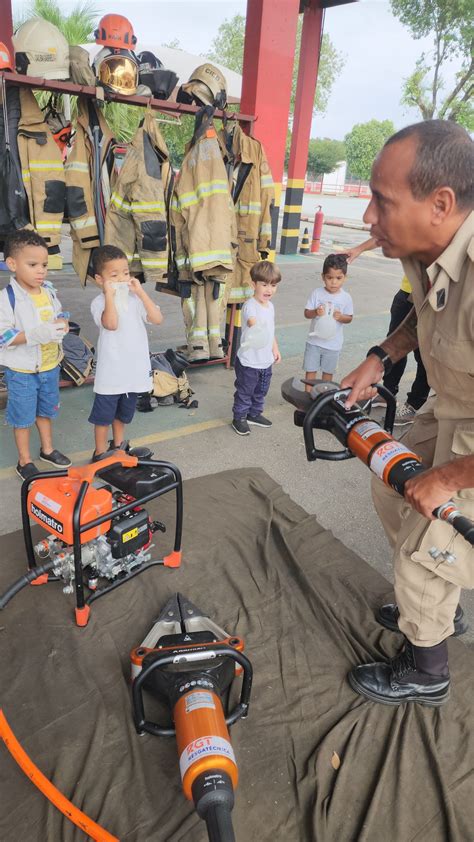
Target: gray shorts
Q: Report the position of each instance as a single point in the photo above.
(320, 359)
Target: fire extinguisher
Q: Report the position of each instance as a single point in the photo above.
(317, 228)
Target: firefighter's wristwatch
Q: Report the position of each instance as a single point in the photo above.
(383, 357)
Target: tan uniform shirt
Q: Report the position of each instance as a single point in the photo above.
(443, 295)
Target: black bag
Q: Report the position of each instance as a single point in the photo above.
(14, 213)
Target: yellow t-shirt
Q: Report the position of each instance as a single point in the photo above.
(405, 284)
(51, 352)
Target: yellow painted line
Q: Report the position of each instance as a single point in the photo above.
(292, 208)
(290, 232)
(295, 182)
(166, 435)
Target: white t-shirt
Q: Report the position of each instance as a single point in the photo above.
(341, 301)
(123, 357)
(265, 316)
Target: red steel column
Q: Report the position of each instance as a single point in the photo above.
(270, 37)
(303, 115)
(6, 24)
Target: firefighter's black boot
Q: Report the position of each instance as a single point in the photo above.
(416, 674)
(388, 615)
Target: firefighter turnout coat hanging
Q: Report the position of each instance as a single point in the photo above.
(42, 171)
(88, 188)
(136, 218)
(203, 225)
(253, 194)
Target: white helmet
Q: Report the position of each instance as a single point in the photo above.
(41, 50)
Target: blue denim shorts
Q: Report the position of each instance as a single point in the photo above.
(320, 359)
(31, 395)
(108, 408)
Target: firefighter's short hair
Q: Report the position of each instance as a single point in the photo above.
(103, 255)
(18, 240)
(266, 272)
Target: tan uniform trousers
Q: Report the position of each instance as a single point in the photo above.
(427, 590)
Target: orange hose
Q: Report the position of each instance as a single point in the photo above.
(93, 830)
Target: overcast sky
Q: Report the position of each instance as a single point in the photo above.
(379, 51)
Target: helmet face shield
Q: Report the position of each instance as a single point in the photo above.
(119, 73)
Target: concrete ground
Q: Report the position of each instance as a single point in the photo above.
(201, 441)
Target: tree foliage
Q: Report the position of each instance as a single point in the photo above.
(450, 23)
(228, 50)
(324, 155)
(363, 143)
(77, 26)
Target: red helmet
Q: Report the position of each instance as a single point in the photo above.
(115, 31)
(5, 58)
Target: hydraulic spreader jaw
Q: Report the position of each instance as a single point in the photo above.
(189, 663)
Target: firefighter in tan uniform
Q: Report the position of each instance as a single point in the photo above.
(422, 212)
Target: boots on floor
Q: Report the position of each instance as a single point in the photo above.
(416, 674)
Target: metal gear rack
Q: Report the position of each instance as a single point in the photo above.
(175, 109)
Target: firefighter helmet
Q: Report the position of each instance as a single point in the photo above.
(148, 62)
(115, 31)
(206, 86)
(117, 70)
(41, 50)
(5, 59)
(161, 82)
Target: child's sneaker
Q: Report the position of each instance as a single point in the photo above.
(56, 458)
(241, 427)
(259, 420)
(27, 471)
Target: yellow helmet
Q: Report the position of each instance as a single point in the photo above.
(206, 86)
(117, 69)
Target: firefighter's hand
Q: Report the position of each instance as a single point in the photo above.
(361, 379)
(353, 254)
(136, 287)
(427, 491)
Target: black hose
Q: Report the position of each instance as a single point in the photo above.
(219, 824)
(24, 581)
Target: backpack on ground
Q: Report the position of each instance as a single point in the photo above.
(78, 360)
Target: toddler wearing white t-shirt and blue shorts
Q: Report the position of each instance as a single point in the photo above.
(123, 358)
(329, 308)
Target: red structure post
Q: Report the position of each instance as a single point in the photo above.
(305, 90)
(6, 24)
(270, 37)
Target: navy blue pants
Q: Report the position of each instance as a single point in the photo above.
(251, 387)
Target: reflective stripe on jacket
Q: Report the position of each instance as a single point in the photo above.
(84, 192)
(42, 170)
(137, 219)
(202, 212)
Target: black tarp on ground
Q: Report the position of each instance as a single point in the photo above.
(262, 568)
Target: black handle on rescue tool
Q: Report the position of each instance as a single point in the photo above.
(315, 410)
(459, 522)
(192, 657)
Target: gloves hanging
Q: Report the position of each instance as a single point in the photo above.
(45, 332)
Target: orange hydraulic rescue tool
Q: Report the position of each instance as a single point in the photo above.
(324, 408)
(189, 662)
